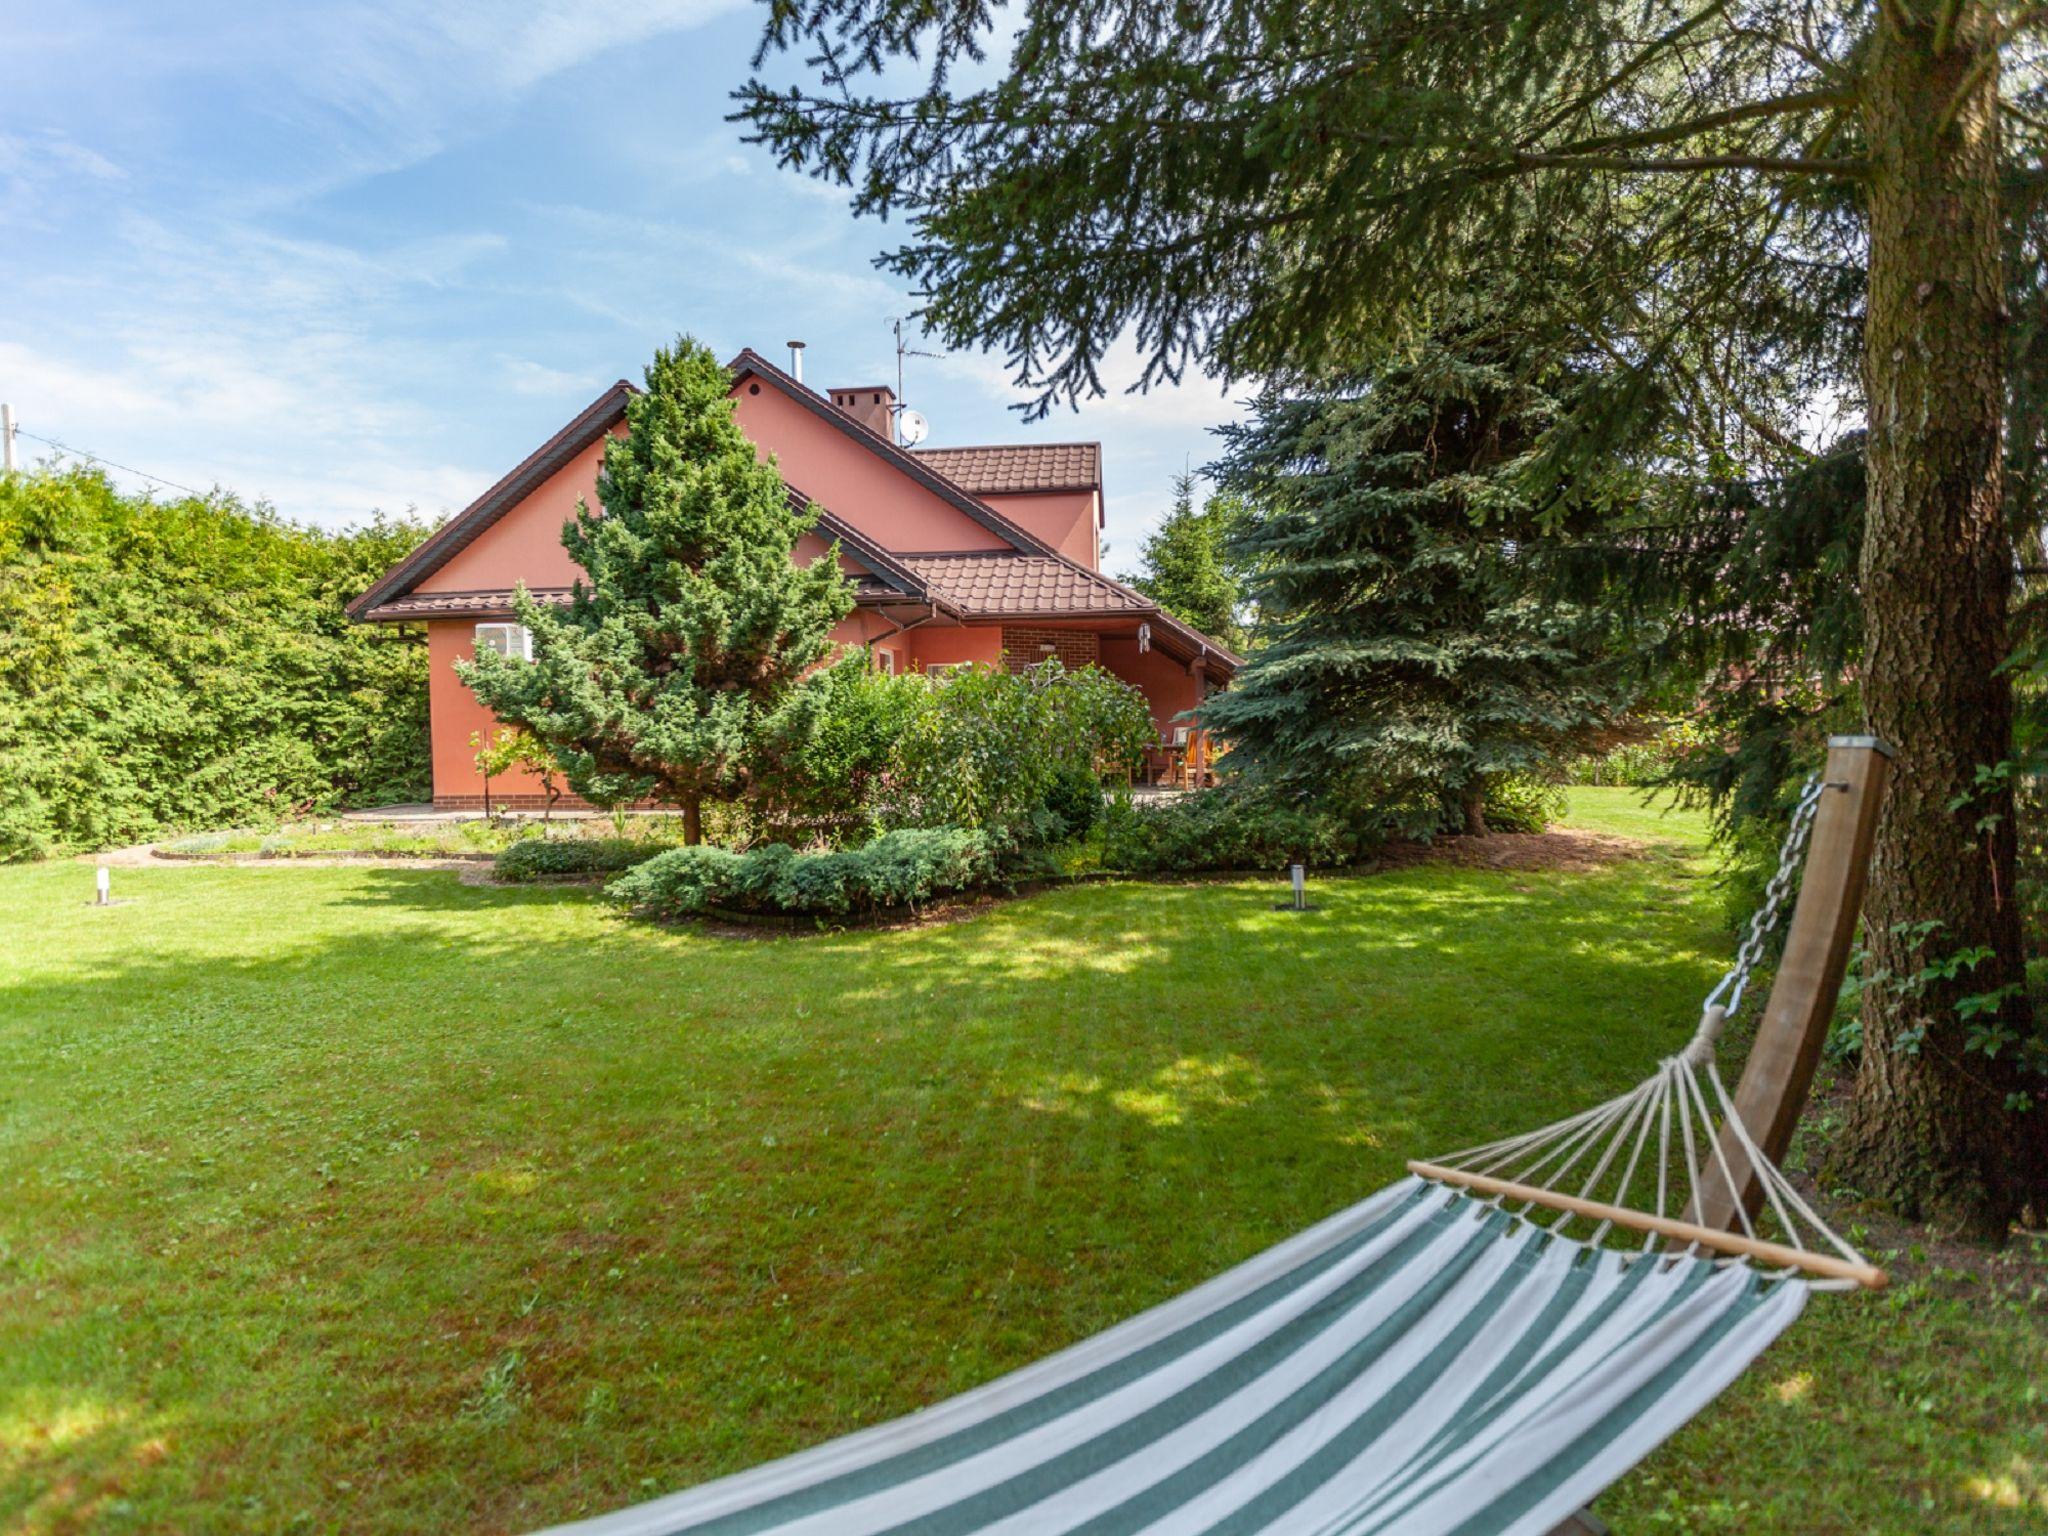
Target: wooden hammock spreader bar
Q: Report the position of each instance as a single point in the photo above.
(1776, 1255)
(1794, 1026)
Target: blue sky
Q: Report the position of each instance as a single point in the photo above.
(344, 256)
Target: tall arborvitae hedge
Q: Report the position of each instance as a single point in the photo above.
(169, 665)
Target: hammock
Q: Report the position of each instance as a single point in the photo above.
(1451, 1355)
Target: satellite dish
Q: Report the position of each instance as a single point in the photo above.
(912, 426)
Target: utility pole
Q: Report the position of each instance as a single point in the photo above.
(7, 438)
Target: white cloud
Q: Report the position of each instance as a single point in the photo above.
(211, 417)
(525, 377)
(38, 170)
(220, 352)
(1194, 405)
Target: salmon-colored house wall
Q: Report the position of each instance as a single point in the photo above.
(1070, 521)
(457, 715)
(1168, 686)
(526, 543)
(933, 647)
(820, 459)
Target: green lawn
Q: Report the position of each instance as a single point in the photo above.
(362, 1199)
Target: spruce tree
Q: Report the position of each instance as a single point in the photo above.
(691, 624)
(1188, 566)
(1408, 662)
(1815, 191)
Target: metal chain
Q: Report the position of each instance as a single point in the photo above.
(1766, 918)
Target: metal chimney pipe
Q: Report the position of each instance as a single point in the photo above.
(796, 360)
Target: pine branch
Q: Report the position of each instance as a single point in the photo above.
(1945, 25)
(1799, 165)
(1614, 81)
(1776, 106)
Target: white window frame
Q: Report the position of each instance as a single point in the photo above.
(885, 662)
(946, 668)
(510, 640)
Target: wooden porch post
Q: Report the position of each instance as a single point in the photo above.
(1795, 1019)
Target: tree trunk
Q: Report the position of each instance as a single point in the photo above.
(693, 820)
(1930, 1131)
(1474, 804)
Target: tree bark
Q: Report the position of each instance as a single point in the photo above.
(693, 820)
(1930, 1131)
(1474, 805)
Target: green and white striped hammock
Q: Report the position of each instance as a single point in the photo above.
(1431, 1361)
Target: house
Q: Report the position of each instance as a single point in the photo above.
(960, 556)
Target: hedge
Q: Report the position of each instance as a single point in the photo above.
(170, 666)
(1226, 829)
(547, 858)
(896, 871)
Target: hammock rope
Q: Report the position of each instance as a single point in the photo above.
(1685, 1108)
(1444, 1358)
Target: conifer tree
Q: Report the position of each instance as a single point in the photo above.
(1188, 566)
(691, 624)
(1407, 659)
(1816, 191)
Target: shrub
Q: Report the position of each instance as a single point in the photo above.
(1229, 829)
(825, 756)
(986, 746)
(1642, 764)
(552, 858)
(1075, 797)
(1517, 803)
(902, 869)
(198, 845)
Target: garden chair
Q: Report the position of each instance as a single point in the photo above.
(1461, 1354)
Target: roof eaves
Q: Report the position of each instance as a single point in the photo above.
(750, 361)
(1188, 632)
(455, 535)
(870, 554)
(485, 604)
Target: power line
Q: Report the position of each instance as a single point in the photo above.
(93, 458)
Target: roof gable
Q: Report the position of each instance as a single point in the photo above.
(1052, 579)
(750, 364)
(463, 529)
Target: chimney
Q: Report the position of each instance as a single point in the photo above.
(872, 405)
(796, 360)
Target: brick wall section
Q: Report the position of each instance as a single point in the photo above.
(526, 802)
(513, 802)
(1073, 647)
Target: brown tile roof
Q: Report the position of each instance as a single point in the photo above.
(1000, 585)
(456, 605)
(999, 582)
(982, 585)
(1018, 468)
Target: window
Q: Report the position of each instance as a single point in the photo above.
(885, 663)
(514, 640)
(947, 668)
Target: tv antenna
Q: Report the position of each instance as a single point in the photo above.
(911, 427)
